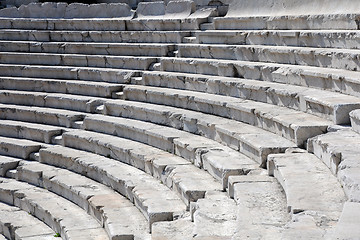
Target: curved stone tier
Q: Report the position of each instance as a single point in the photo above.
(174, 120)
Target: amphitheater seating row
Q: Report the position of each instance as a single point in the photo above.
(153, 117)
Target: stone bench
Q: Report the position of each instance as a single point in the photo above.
(94, 36)
(317, 57)
(176, 15)
(331, 21)
(78, 87)
(120, 49)
(347, 227)
(296, 38)
(50, 116)
(253, 142)
(218, 160)
(51, 100)
(78, 60)
(178, 174)
(7, 163)
(337, 80)
(18, 224)
(101, 202)
(293, 125)
(69, 11)
(339, 153)
(64, 217)
(31, 131)
(66, 72)
(153, 199)
(19, 148)
(97, 24)
(316, 13)
(355, 120)
(304, 179)
(330, 105)
(269, 217)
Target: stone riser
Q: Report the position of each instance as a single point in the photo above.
(18, 224)
(329, 105)
(336, 80)
(146, 193)
(90, 196)
(236, 135)
(296, 38)
(51, 100)
(95, 36)
(199, 150)
(64, 217)
(120, 49)
(71, 73)
(56, 117)
(293, 125)
(318, 57)
(340, 21)
(78, 87)
(176, 173)
(78, 60)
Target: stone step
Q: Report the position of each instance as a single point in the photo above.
(220, 161)
(101, 202)
(309, 186)
(153, 199)
(189, 40)
(51, 100)
(7, 163)
(344, 39)
(50, 116)
(214, 217)
(31, 131)
(64, 217)
(288, 21)
(330, 105)
(77, 60)
(338, 151)
(19, 148)
(261, 206)
(217, 159)
(90, 24)
(293, 125)
(18, 224)
(254, 142)
(189, 182)
(318, 57)
(207, 26)
(119, 49)
(347, 227)
(78, 87)
(110, 75)
(175, 230)
(355, 120)
(337, 80)
(94, 36)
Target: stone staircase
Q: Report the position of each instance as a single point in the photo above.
(176, 122)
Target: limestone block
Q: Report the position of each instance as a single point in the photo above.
(18, 147)
(303, 190)
(347, 227)
(179, 9)
(7, 163)
(57, 117)
(146, 10)
(355, 120)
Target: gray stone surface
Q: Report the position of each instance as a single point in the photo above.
(19, 148)
(293, 125)
(347, 227)
(154, 200)
(99, 201)
(7, 163)
(18, 224)
(61, 215)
